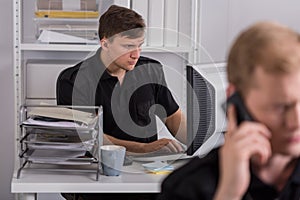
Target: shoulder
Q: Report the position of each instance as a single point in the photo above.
(90, 69)
(145, 60)
(70, 72)
(195, 180)
(149, 67)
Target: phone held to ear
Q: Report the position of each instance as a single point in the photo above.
(241, 111)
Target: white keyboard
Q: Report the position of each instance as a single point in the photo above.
(159, 156)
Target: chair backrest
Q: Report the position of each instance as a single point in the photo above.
(65, 83)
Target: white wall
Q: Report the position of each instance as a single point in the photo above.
(7, 99)
(222, 20)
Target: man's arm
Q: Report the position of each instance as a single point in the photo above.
(176, 124)
(138, 147)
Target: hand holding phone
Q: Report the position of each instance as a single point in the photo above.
(242, 113)
(240, 149)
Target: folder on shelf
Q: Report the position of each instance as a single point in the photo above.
(87, 5)
(85, 31)
(66, 14)
(60, 38)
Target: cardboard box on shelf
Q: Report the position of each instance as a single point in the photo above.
(75, 5)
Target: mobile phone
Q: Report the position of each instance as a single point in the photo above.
(242, 113)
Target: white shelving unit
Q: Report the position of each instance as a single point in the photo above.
(177, 22)
(178, 46)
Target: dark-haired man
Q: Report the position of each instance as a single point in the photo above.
(132, 90)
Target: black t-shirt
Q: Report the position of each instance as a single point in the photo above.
(198, 179)
(129, 108)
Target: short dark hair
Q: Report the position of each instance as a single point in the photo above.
(120, 20)
(264, 45)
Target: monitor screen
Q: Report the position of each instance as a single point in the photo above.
(206, 120)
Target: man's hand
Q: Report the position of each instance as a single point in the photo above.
(249, 141)
(163, 145)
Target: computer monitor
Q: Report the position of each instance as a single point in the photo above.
(206, 119)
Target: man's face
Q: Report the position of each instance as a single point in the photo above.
(275, 101)
(125, 52)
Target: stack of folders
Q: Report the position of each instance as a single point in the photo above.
(72, 21)
(78, 32)
(60, 135)
(67, 9)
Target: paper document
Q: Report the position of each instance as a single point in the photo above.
(87, 31)
(64, 114)
(80, 146)
(60, 38)
(158, 167)
(55, 155)
(65, 124)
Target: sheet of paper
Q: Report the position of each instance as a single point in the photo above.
(64, 113)
(80, 146)
(65, 124)
(60, 38)
(55, 155)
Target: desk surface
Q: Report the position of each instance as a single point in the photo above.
(133, 179)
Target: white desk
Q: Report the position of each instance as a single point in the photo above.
(133, 179)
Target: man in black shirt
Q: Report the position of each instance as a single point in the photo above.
(260, 158)
(132, 89)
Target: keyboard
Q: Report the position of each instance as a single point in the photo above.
(158, 156)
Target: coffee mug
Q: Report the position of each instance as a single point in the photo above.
(112, 159)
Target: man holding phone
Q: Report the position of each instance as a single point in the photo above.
(260, 158)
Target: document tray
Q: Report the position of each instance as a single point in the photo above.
(49, 140)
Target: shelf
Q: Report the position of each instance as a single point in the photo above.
(88, 48)
(58, 47)
(173, 49)
(70, 20)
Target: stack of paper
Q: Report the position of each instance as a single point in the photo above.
(67, 21)
(158, 167)
(67, 9)
(88, 31)
(62, 113)
(53, 37)
(58, 134)
(56, 157)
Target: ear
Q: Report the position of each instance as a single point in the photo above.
(230, 89)
(104, 43)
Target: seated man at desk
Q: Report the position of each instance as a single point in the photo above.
(260, 156)
(131, 88)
